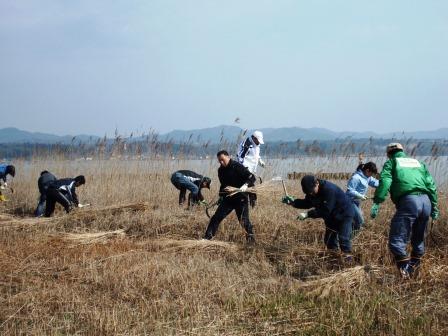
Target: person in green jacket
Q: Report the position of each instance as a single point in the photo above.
(413, 191)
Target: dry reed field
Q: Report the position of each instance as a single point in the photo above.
(133, 264)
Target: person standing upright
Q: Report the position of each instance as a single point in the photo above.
(414, 193)
(232, 174)
(249, 156)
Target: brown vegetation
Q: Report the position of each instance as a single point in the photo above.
(108, 269)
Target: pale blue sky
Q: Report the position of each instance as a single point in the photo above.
(88, 66)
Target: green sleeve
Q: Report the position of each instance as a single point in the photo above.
(432, 189)
(385, 183)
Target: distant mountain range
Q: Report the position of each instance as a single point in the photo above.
(224, 133)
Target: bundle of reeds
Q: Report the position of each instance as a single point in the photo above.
(198, 245)
(91, 238)
(260, 189)
(342, 281)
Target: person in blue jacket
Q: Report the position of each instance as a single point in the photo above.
(357, 187)
(4, 171)
(332, 204)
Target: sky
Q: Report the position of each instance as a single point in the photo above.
(93, 66)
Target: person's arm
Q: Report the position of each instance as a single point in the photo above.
(74, 195)
(244, 148)
(384, 184)
(432, 189)
(373, 182)
(246, 175)
(302, 203)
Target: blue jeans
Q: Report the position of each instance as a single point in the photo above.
(182, 183)
(358, 220)
(409, 223)
(40, 210)
(338, 233)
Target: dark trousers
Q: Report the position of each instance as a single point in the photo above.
(241, 207)
(339, 232)
(40, 210)
(55, 196)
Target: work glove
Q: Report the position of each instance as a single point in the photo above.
(203, 203)
(435, 214)
(2, 198)
(262, 164)
(361, 197)
(374, 210)
(302, 216)
(288, 199)
(2, 187)
(244, 187)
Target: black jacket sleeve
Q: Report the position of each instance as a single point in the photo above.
(302, 203)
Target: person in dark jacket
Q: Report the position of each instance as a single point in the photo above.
(5, 170)
(330, 203)
(63, 191)
(232, 174)
(42, 183)
(187, 179)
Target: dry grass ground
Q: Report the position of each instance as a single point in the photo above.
(140, 270)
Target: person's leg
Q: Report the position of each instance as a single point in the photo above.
(58, 197)
(242, 212)
(182, 194)
(49, 205)
(331, 235)
(400, 231)
(345, 234)
(418, 232)
(223, 210)
(40, 210)
(358, 220)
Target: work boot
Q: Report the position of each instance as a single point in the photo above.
(414, 266)
(250, 239)
(403, 268)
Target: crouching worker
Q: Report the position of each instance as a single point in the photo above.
(413, 191)
(187, 179)
(332, 204)
(63, 191)
(42, 183)
(5, 170)
(232, 174)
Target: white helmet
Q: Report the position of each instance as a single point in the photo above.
(259, 136)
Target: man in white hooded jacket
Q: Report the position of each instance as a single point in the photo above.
(249, 151)
(249, 156)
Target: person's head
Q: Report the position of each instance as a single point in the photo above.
(393, 148)
(369, 169)
(44, 172)
(11, 170)
(80, 180)
(206, 181)
(310, 185)
(223, 158)
(257, 138)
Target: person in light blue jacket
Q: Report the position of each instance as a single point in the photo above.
(357, 188)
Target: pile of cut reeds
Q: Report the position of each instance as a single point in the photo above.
(91, 238)
(342, 281)
(198, 245)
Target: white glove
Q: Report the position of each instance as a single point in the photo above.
(261, 162)
(82, 205)
(5, 184)
(302, 216)
(2, 187)
(361, 197)
(243, 188)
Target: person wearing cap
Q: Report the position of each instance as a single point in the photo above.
(42, 183)
(5, 170)
(232, 174)
(330, 203)
(185, 180)
(357, 187)
(63, 191)
(414, 193)
(249, 156)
